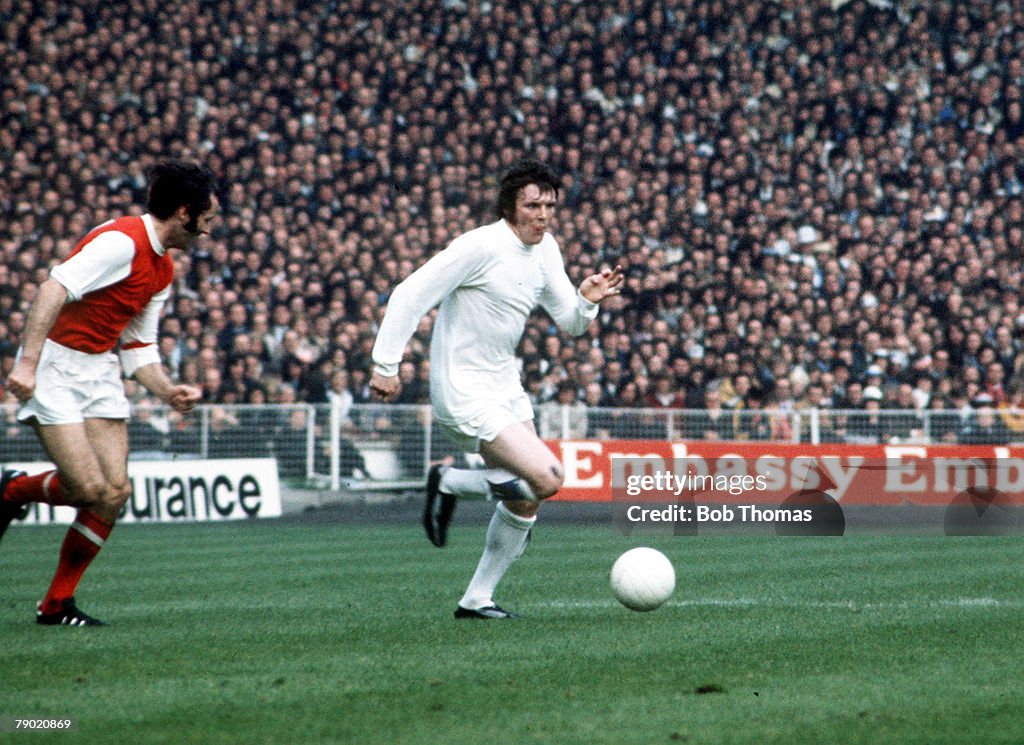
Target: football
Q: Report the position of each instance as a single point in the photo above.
(643, 578)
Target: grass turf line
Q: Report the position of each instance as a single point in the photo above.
(267, 632)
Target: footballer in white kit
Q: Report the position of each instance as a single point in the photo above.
(486, 283)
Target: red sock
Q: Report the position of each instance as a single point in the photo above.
(42, 487)
(83, 541)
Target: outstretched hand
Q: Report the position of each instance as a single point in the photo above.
(606, 283)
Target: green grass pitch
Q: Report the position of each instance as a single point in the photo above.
(302, 632)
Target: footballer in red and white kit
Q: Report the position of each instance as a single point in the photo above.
(95, 318)
(117, 279)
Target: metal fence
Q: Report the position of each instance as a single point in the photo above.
(381, 445)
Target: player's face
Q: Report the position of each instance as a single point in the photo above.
(534, 211)
(193, 227)
(202, 223)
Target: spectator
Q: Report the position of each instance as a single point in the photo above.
(902, 423)
(714, 422)
(147, 431)
(664, 394)
(984, 426)
(291, 444)
(564, 417)
(599, 420)
(943, 420)
(755, 424)
(866, 427)
(1012, 410)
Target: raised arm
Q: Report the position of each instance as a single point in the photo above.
(573, 309)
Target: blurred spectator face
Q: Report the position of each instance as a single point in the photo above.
(407, 372)
(742, 386)
(613, 371)
(629, 395)
(339, 381)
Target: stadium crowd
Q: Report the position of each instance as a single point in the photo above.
(818, 204)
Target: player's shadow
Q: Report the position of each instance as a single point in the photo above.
(810, 512)
(980, 511)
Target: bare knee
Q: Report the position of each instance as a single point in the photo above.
(543, 486)
(549, 482)
(91, 493)
(119, 493)
(105, 496)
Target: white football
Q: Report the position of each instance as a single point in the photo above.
(643, 578)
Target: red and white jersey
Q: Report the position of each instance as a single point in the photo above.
(117, 279)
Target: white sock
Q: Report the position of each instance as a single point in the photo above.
(476, 482)
(465, 482)
(505, 542)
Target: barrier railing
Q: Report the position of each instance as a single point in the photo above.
(391, 446)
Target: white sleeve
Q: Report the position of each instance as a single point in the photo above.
(104, 260)
(563, 302)
(417, 294)
(138, 342)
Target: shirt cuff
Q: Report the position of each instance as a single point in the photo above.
(135, 357)
(388, 370)
(586, 308)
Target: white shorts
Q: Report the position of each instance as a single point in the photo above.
(493, 417)
(72, 386)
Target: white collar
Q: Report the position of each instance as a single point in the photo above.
(516, 239)
(147, 220)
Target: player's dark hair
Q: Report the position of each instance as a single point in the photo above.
(525, 171)
(175, 183)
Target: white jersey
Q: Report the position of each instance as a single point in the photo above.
(487, 283)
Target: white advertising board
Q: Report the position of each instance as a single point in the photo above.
(184, 491)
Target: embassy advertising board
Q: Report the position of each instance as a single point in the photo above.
(683, 488)
(769, 472)
(184, 491)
